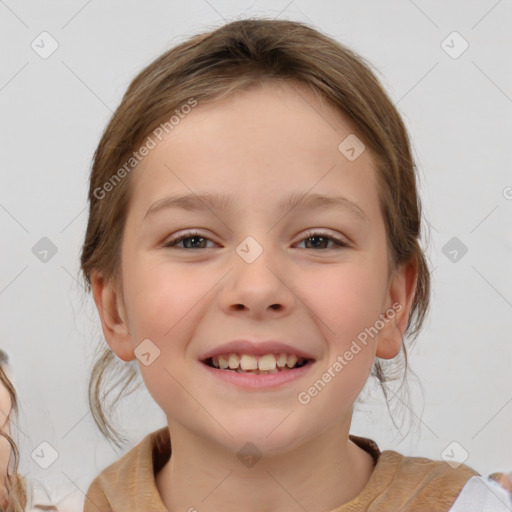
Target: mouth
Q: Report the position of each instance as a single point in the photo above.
(267, 364)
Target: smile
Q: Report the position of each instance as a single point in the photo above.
(255, 378)
(260, 365)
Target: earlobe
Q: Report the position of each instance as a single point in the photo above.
(401, 292)
(113, 317)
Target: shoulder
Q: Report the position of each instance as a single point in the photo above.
(95, 497)
(427, 470)
(114, 488)
(107, 486)
(419, 483)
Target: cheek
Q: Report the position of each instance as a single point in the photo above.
(346, 303)
(162, 303)
(160, 297)
(346, 299)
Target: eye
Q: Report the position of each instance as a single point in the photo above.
(194, 236)
(323, 238)
(194, 240)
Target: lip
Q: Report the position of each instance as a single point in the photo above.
(255, 382)
(255, 348)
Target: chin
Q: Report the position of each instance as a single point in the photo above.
(269, 437)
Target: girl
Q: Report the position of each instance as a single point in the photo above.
(253, 249)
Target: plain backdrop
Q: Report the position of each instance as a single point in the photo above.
(457, 106)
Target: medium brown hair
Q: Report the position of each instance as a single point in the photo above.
(15, 484)
(211, 66)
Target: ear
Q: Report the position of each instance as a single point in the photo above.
(401, 289)
(113, 317)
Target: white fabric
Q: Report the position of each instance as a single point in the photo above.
(482, 494)
(66, 497)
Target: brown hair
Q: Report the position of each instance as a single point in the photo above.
(15, 484)
(211, 66)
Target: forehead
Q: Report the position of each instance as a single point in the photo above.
(261, 143)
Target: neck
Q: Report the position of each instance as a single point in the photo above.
(319, 475)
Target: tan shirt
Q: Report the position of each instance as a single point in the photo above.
(398, 483)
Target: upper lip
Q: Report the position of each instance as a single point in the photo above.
(255, 348)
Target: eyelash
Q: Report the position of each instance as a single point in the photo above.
(172, 243)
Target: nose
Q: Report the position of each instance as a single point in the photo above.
(258, 285)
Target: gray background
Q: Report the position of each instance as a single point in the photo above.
(458, 112)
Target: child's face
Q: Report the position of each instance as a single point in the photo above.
(259, 147)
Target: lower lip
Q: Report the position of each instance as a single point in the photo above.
(262, 381)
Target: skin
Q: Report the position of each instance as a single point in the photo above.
(259, 146)
(5, 447)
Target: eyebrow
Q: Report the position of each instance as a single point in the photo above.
(207, 201)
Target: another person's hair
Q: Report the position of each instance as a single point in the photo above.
(211, 66)
(14, 483)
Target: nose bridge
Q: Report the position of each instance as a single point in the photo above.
(250, 250)
(256, 280)
(256, 259)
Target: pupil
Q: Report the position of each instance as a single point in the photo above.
(318, 237)
(189, 238)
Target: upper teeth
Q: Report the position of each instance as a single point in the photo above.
(250, 362)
